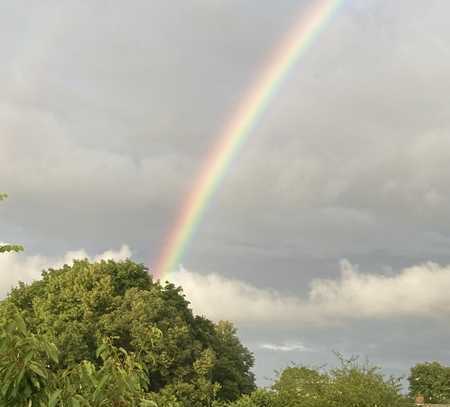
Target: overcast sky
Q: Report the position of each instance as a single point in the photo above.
(330, 231)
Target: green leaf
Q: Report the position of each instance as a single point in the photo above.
(148, 403)
(20, 324)
(101, 349)
(53, 400)
(36, 369)
(52, 351)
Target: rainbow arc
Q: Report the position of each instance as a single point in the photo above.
(239, 127)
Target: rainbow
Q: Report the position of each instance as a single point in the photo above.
(291, 49)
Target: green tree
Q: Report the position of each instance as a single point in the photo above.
(303, 386)
(9, 247)
(363, 385)
(352, 384)
(185, 357)
(431, 380)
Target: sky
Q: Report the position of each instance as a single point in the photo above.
(331, 229)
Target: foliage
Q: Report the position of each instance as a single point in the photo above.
(431, 380)
(299, 383)
(4, 248)
(350, 385)
(24, 362)
(155, 345)
(259, 398)
(363, 385)
(234, 361)
(29, 377)
(120, 380)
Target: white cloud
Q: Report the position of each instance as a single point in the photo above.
(123, 253)
(418, 291)
(218, 298)
(285, 347)
(22, 267)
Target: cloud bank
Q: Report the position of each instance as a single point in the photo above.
(417, 291)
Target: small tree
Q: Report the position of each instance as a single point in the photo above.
(352, 384)
(300, 385)
(431, 380)
(9, 247)
(363, 385)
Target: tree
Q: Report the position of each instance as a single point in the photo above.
(431, 380)
(186, 358)
(363, 385)
(303, 386)
(9, 247)
(350, 384)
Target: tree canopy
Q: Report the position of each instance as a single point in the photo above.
(95, 315)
